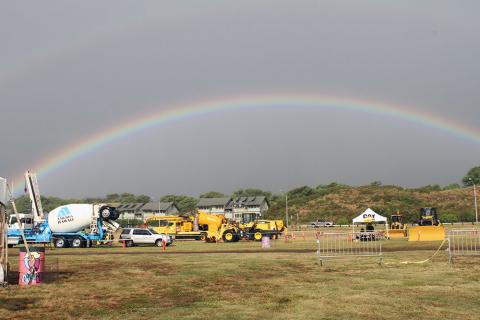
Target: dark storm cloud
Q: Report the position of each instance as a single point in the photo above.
(68, 70)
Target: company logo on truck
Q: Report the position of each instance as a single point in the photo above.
(64, 215)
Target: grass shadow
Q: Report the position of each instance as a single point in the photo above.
(16, 304)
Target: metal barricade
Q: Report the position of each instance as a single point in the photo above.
(463, 243)
(349, 244)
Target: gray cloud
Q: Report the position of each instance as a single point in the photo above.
(70, 70)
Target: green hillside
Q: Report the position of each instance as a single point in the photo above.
(341, 203)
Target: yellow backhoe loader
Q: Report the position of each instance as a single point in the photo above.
(429, 227)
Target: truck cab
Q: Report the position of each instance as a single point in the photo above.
(26, 221)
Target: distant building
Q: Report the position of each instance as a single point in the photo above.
(213, 205)
(246, 208)
(140, 211)
(130, 211)
(160, 209)
(237, 209)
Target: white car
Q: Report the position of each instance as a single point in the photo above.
(144, 236)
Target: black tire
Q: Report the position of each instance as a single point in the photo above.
(105, 213)
(158, 243)
(257, 235)
(228, 236)
(60, 243)
(109, 213)
(77, 242)
(129, 243)
(10, 245)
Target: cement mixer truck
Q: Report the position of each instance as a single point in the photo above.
(72, 225)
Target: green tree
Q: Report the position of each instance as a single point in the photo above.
(212, 194)
(449, 217)
(342, 221)
(472, 177)
(184, 203)
(452, 186)
(251, 193)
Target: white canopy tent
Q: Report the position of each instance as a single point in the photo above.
(370, 216)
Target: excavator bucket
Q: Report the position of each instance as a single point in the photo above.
(397, 233)
(426, 233)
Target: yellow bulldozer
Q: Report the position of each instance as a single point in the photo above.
(179, 227)
(397, 228)
(257, 229)
(429, 227)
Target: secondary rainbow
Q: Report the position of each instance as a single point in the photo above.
(197, 109)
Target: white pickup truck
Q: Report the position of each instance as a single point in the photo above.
(144, 236)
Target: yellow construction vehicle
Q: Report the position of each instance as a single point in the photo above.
(397, 228)
(179, 227)
(429, 227)
(217, 227)
(257, 229)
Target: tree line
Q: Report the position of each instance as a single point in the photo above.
(309, 203)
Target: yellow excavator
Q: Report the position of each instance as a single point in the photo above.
(429, 227)
(397, 228)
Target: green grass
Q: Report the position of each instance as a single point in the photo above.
(277, 285)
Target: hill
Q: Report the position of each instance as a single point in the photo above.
(341, 203)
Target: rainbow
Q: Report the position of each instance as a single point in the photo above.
(292, 101)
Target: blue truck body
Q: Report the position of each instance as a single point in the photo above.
(42, 234)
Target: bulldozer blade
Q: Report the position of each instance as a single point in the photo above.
(398, 233)
(426, 233)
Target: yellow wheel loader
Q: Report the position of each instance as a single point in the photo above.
(429, 227)
(397, 228)
(257, 229)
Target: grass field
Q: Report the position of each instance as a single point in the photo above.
(196, 281)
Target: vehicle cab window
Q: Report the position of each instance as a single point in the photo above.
(141, 232)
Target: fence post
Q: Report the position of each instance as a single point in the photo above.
(450, 258)
(320, 261)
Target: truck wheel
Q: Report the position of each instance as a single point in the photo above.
(257, 235)
(129, 243)
(228, 236)
(105, 212)
(158, 243)
(202, 237)
(77, 242)
(60, 243)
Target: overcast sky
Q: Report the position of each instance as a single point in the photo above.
(69, 69)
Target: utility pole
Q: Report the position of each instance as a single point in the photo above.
(286, 207)
(475, 198)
